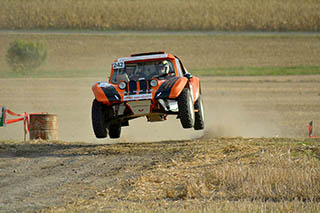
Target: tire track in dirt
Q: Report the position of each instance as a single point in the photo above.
(35, 175)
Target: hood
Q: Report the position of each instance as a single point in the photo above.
(138, 90)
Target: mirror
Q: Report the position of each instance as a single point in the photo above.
(188, 75)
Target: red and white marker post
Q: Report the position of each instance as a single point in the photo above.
(310, 130)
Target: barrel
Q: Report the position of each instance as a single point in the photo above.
(43, 126)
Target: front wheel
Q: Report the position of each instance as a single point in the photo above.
(98, 119)
(199, 115)
(115, 130)
(186, 109)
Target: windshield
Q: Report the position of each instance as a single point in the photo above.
(144, 71)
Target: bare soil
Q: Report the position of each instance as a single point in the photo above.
(37, 175)
(41, 174)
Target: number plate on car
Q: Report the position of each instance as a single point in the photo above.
(137, 97)
(118, 65)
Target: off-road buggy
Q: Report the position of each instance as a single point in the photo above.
(152, 85)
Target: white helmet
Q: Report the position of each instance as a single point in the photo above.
(164, 67)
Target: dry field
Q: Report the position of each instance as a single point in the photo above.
(253, 156)
(206, 174)
(90, 55)
(217, 15)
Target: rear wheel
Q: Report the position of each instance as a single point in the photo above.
(199, 115)
(186, 109)
(115, 130)
(98, 119)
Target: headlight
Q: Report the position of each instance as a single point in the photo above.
(153, 83)
(122, 85)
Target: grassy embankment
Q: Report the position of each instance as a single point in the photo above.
(217, 15)
(211, 175)
(83, 55)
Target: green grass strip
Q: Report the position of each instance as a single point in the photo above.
(258, 71)
(233, 71)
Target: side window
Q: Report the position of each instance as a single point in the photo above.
(179, 68)
(115, 73)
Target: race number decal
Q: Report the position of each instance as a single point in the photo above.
(118, 65)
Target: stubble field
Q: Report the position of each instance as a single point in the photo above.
(253, 156)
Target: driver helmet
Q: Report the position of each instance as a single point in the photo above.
(164, 67)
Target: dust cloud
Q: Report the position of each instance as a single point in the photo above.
(142, 131)
(234, 120)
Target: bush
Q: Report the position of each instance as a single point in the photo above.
(26, 55)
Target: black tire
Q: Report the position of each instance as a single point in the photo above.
(186, 109)
(115, 130)
(199, 115)
(98, 119)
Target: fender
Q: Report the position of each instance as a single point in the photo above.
(194, 85)
(106, 93)
(171, 88)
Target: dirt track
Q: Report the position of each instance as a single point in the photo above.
(241, 106)
(40, 174)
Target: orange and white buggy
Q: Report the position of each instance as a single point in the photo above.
(152, 85)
